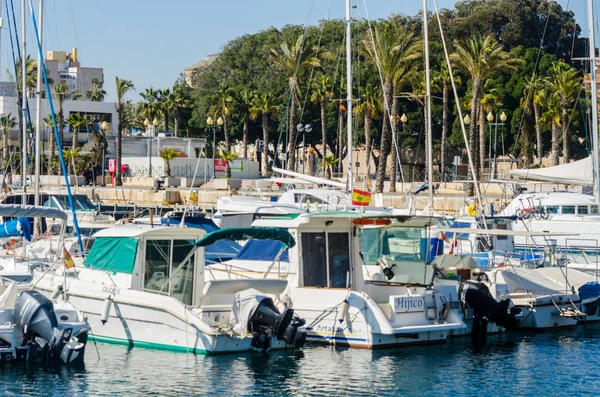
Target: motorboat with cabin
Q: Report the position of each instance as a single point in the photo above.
(147, 286)
(336, 278)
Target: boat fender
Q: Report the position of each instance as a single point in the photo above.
(106, 310)
(344, 311)
(56, 292)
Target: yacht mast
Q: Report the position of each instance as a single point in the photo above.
(593, 86)
(38, 116)
(349, 95)
(23, 106)
(428, 109)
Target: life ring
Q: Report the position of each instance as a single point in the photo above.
(371, 222)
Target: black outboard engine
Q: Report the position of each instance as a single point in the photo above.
(486, 309)
(34, 313)
(266, 322)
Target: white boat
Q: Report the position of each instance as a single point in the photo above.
(145, 286)
(338, 282)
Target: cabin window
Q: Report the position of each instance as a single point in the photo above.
(582, 210)
(568, 209)
(183, 272)
(502, 226)
(405, 243)
(553, 210)
(370, 244)
(594, 209)
(325, 259)
(158, 264)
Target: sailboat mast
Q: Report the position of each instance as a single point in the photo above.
(594, 101)
(428, 108)
(23, 105)
(38, 112)
(349, 96)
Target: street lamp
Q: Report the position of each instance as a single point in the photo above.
(150, 128)
(210, 122)
(103, 128)
(220, 124)
(467, 120)
(304, 129)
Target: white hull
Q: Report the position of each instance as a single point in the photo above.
(540, 314)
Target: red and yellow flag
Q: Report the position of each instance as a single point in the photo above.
(69, 264)
(360, 197)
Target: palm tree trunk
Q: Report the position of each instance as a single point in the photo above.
(168, 167)
(394, 159)
(323, 127)
(473, 135)
(555, 144)
(340, 139)
(166, 113)
(291, 155)
(445, 100)
(73, 146)
(176, 122)
(60, 132)
(368, 146)
(5, 149)
(245, 137)
(538, 131)
(565, 133)
(118, 179)
(265, 153)
(384, 147)
(482, 148)
(226, 132)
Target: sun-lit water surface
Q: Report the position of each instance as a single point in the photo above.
(518, 364)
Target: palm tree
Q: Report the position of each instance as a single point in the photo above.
(370, 106)
(49, 124)
(221, 103)
(243, 103)
(150, 105)
(491, 98)
(392, 50)
(71, 157)
(123, 86)
(165, 104)
(441, 82)
(6, 123)
(168, 155)
(96, 93)
(228, 157)
(565, 83)
(264, 105)
(61, 91)
(293, 61)
(327, 163)
(75, 95)
(75, 120)
(480, 58)
(321, 91)
(552, 116)
(536, 87)
(180, 101)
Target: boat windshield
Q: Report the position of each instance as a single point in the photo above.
(396, 243)
(81, 203)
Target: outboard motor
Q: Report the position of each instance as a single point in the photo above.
(486, 309)
(255, 313)
(34, 314)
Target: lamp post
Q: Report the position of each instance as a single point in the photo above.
(210, 122)
(403, 120)
(150, 128)
(490, 118)
(304, 129)
(220, 124)
(103, 128)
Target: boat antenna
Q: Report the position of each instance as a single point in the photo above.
(349, 95)
(38, 121)
(428, 110)
(594, 101)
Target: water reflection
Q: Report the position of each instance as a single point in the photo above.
(517, 364)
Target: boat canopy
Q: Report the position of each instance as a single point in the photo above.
(246, 233)
(113, 254)
(17, 227)
(31, 211)
(579, 172)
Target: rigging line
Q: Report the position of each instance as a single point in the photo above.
(537, 61)
(385, 100)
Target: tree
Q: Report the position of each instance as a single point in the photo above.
(221, 103)
(71, 157)
(321, 91)
(150, 105)
(6, 123)
(565, 83)
(552, 116)
(243, 103)
(96, 92)
(264, 106)
(168, 155)
(480, 58)
(60, 91)
(75, 120)
(369, 106)
(123, 86)
(180, 101)
(293, 61)
(327, 163)
(228, 157)
(165, 104)
(75, 95)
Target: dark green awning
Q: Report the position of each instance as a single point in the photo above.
(245, 233)
(113, 254)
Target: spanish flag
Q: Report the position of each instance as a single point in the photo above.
(69, 264)
(360, 197)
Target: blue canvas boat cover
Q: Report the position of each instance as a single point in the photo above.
(221, 250)
(589, 290)
(16, 227)
(262, 250)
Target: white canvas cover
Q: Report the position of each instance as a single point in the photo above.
(578, 172)
(8, 299)
(244, 305)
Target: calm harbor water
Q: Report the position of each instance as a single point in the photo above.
(518, 364)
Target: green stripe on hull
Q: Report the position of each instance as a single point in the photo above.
(146, 345)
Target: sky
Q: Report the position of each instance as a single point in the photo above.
(151, 41)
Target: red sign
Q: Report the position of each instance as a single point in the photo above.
(220, 166)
